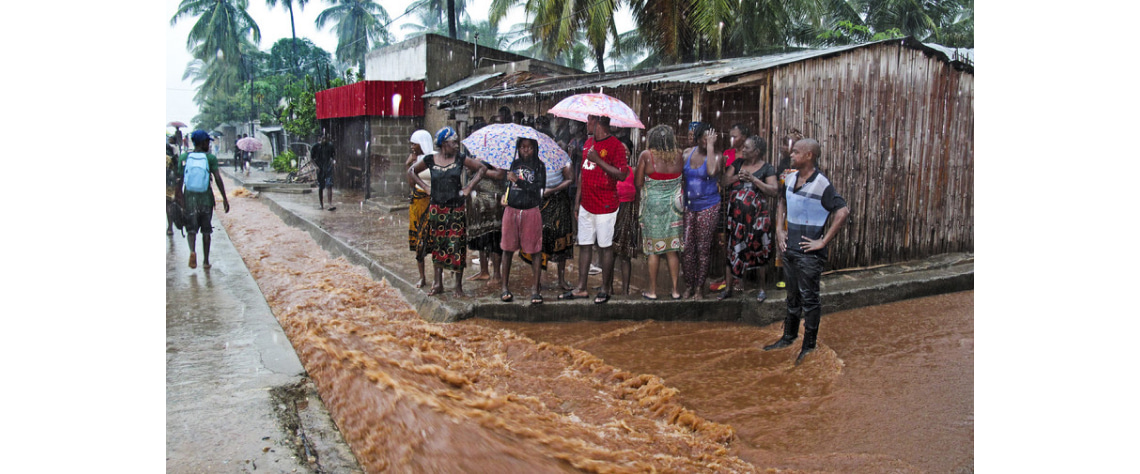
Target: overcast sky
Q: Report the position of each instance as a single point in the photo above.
(274, 25)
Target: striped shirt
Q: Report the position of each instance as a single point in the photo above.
(808, 209)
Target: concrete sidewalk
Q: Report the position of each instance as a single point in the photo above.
(237, 397)
(373, 233)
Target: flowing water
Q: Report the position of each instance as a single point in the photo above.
(890, 389)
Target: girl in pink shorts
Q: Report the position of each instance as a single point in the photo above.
(522, 218)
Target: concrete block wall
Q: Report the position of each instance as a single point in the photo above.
(388, 149)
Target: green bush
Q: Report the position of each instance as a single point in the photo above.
(284, 162)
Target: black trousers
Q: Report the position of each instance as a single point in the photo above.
(801, 274)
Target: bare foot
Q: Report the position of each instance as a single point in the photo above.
(193, 260)
(421, 283)
(565, 286)
(435, 290)
(459, 293)
(479, 276)
(206, 265)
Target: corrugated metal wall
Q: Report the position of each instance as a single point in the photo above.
(897, 132)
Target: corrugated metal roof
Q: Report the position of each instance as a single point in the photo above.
(463, 84)
(706, 72)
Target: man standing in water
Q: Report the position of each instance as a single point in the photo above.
(323, 153)
(809, 199)
(604, 165)
(195, 170)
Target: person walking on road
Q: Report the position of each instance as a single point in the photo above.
(808, 200)
(196, 169)
(323, 154)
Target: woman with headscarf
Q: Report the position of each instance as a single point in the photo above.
(417, 211)
(702, 205)
(750, 182)
(447, 212)
(658, 179)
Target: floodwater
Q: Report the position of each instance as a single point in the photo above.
(412, 396)
(890, 389)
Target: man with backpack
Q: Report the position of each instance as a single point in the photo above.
(195, 169)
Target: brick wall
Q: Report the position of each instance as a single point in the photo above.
(388, 150)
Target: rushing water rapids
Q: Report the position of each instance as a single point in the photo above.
(890, 390)
(412, 396)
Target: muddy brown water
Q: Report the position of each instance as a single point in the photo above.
(891, 388)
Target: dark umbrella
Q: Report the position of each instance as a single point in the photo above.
(176, 124)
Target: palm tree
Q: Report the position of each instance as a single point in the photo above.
(558, 23)
(358, 24)
(292, 26)
(433, 16)
(219, 30)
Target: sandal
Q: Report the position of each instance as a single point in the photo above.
(507, 297)
(602, 297)
(569, 295)
(724, 294)
(536, 299)
(646, 296)
(761, 296)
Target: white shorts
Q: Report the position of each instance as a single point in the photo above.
(592, 225)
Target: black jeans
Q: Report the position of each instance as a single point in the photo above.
(802, 273)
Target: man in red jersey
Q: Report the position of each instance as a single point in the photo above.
(604, 164)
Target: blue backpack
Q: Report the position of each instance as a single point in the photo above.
(196, 175)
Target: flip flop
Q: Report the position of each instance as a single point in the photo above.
(676, 297)
(332, 208)
(643, 295)
(761, 296)
(569, 295)
(536, 299)
(724, 294)
(601, 298)
(507, 297)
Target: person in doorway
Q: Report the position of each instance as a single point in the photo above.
(783, 169)
(750, 181)
(659, 182)
(417, 210)
(522, 217)
(604, 164)
(702, 206)
(196, 169)
(447, 215)
(324, 158)
(808, 201)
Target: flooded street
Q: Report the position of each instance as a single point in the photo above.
(890, 389)
(412, 396)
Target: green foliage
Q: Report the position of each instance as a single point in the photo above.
(299, 116)
(285, 162)
(359, 26)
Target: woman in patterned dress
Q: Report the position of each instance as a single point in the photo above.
(750, 182)
(447, 215)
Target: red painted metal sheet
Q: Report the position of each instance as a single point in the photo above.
(372, 98)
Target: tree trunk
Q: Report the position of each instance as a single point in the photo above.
(451, 19)
(600, 57)
(293, 27)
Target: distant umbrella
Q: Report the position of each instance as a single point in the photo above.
(216, 133)
(176, 124)
(495, 144)
(580, 106)
(249, 144)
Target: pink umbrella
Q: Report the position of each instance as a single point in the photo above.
(580, 106)
(249, 144)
